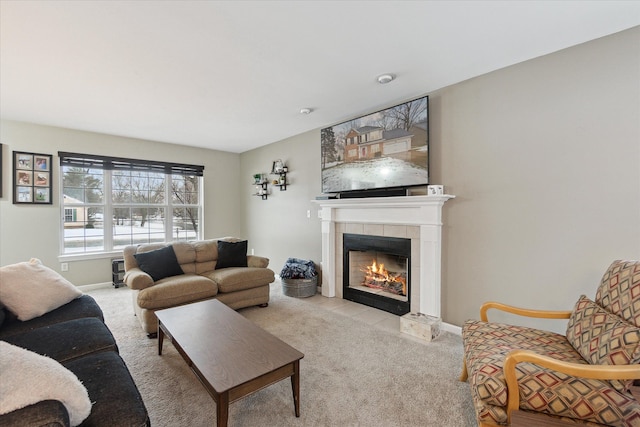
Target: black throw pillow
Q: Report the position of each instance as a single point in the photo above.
(232, 254)
(160, 263)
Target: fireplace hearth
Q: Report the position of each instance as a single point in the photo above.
(377, 272)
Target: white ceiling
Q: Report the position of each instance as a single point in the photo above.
(233, 75)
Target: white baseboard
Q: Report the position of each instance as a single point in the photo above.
(447, 327)
(95, 286)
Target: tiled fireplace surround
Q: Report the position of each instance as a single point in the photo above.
(418, 218)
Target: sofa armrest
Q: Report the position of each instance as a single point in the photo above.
(50, 413)
(137, 279)
(257, 261)
(598, 372)
(541, 314)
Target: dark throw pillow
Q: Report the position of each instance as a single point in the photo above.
(160, 263)
(232, 254)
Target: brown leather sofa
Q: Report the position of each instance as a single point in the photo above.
(237, 287)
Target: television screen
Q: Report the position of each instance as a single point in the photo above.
(383, 150)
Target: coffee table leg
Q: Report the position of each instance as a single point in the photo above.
(222, 409)
(160, 339)
(295, 386)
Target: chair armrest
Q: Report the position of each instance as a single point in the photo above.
(541, 314)
(137, 279)
(597, 372)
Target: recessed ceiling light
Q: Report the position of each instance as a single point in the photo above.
(306, 111)
(385, 78)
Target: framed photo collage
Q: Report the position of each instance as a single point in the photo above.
(32, 178)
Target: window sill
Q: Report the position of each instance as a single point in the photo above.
(89, 256)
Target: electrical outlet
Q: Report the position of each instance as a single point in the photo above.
(64, 266)
(308, 213)
(252, 253)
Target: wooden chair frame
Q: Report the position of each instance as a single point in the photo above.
(600, 372)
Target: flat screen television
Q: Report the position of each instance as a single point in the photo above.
(378, 153)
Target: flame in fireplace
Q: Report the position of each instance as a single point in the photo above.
(375, 269)
(376, 276)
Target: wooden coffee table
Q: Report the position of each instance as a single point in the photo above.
(231, 356)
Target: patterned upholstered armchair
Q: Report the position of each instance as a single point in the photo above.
(584, 377)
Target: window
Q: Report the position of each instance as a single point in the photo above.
(69, 215)
(109, 203)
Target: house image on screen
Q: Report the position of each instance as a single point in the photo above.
(370, 142)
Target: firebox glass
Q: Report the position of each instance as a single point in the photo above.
(379, 273)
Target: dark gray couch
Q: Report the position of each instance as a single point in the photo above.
(76, 336)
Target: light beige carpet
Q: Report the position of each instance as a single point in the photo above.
(352, 374)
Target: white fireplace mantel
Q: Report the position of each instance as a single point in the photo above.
(422, 212)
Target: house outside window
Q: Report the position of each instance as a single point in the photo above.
(109, 203)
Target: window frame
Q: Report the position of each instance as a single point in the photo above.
(108, 165)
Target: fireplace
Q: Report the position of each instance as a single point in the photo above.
(417, 218)
(377, 272)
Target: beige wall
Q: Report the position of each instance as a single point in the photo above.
(278, 227)
(33, 231)
(544, 160)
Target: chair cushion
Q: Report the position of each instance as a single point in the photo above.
(602, 338)
(487, 343)
(206, 255)
(592, 401)
(68, 340)
(117, 401)
(541, 390)
(234, 279)
(177, 290)
(619, 291)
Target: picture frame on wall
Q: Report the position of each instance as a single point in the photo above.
(32, 178)
(24, 195)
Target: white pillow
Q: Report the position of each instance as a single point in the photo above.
(30, 289)
(29, 378)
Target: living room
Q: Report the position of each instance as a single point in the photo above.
(541, 155)
(546, 146)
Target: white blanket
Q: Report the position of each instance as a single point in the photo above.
(27, 378)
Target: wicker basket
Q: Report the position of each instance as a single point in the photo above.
(299, 288)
